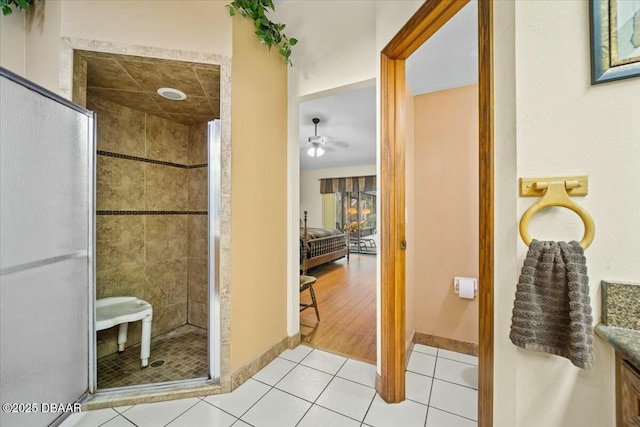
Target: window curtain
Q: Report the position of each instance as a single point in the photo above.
(348, 185)
(329, 210)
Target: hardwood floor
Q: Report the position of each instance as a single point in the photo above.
(346, 295)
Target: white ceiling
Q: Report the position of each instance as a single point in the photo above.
(344, 117)
(448, 59)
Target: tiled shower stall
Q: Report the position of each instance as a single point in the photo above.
(151, 223)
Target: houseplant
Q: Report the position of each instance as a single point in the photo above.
(268, 32)
(8, 5)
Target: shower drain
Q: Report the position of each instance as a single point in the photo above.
(157, 363)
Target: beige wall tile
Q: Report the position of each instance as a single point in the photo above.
(79, 93)
(119, 129)
(198, 269)
(198, 135)
(166, 187)
(107, 342)
(166, 237)
(119, 241)
(169, 318)
(107, 339)
(198, 236)
(120, 184)
(125, 282)
(198, 314)
(141, 102)
(106, 73)
(166, 282)
(192, 119)
(154, 76)
(196, 105)
(210, 80)
(166, 140)
(198, 189)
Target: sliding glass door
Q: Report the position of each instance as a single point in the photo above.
(357, 216)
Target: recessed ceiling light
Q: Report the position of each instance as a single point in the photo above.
(172, 94)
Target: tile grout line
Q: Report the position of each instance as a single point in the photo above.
(333, 376)
(349, 380)
(226, 412)
(109, 420)
(323, 390)
(447, 358)
(433, 379)
(182, 413)
(440, 379)
(129, 420)
(336, 374)
(431, 395)
(369, 407)
(314, 402)
(271, 386)
(256, 402)
(453, 413)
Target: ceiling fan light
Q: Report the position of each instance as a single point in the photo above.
(315, 141)
(315, 151)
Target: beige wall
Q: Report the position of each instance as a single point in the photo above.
(565, 126)
(199, 26)
(310, 197)
(12, 42)
(30, 43)
(446, 209)
(318, 64)
(410, 226)
(43, 43)
(259, 197)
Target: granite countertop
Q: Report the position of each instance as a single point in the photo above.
(625, 341)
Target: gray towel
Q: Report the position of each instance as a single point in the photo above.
(552, 311)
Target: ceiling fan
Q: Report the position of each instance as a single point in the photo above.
(319, 144)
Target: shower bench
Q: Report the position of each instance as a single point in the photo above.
(120, 311)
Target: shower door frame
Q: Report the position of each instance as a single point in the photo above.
(214, 168)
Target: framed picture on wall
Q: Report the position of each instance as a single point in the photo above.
(615, 40)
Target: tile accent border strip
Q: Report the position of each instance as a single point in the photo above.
(144, 160)
(152, 213)
(241, 375)
(445, 343)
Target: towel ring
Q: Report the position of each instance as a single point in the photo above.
(556, 195)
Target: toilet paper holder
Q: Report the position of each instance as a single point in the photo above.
(456, 285)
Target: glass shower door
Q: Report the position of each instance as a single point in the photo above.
(46, 261)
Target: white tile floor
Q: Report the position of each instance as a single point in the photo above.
(312, 388)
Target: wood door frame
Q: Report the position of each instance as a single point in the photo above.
(430, 17)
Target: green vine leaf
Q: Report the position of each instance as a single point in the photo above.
(268, 33)
(9, 5)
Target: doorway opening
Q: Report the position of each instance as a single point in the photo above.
(338, 207)
(431, 16)
(155, 216)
